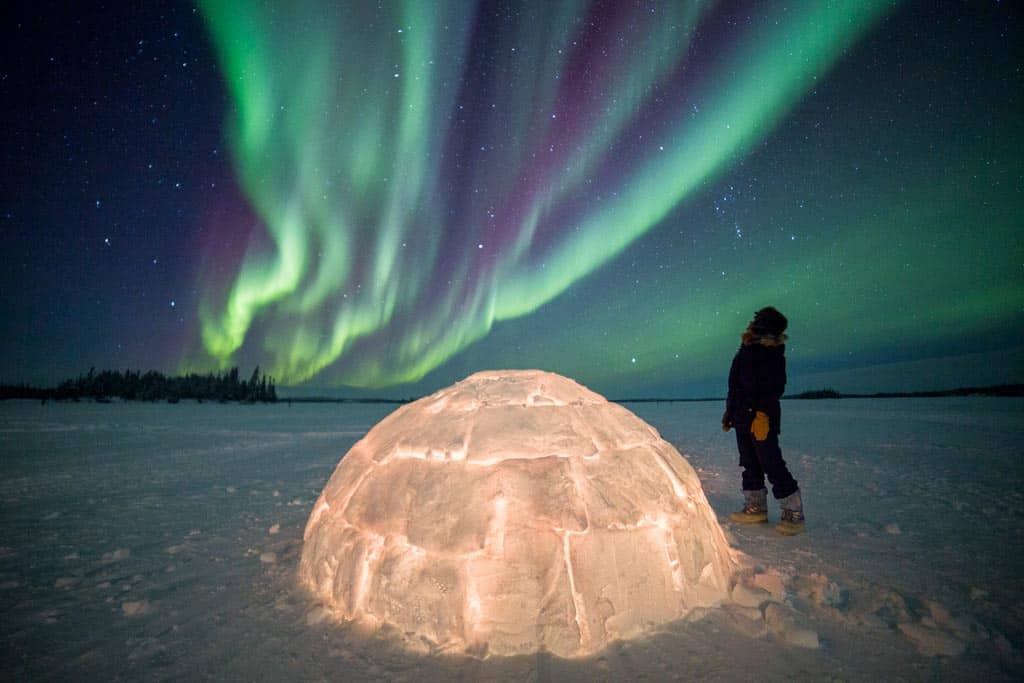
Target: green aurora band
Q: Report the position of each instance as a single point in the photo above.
(405, 220)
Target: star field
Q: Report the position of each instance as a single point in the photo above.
(384, 197)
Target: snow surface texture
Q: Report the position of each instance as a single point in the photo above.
(136, 544)
(512, 512)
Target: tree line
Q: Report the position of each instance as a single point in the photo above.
(1002, 390)
(152, 386)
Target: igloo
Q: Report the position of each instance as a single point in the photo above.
(513, 512)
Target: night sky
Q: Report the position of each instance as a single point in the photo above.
(383, 198)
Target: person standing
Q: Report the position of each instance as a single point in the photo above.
(757, 379)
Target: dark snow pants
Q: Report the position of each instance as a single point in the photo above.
(760, 458)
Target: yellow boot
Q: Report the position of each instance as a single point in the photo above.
(792, 515)
(755, 508)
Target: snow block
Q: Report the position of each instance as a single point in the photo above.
(931, 641)
(514, 512)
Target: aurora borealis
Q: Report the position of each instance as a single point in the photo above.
(407, 192)
(421, 181)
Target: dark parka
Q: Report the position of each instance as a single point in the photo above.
(757, 380)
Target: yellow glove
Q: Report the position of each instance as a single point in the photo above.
(759, 428)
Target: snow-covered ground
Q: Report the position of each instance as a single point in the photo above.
(161, 541)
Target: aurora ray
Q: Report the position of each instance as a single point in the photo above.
(424, 170)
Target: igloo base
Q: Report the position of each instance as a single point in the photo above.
(513, 512)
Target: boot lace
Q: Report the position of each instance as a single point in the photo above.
(792, 516)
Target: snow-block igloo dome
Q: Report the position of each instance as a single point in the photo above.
(513, 512)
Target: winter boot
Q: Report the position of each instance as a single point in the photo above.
(792, 515)
(755, 508)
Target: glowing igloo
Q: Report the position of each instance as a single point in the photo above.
(512, 512)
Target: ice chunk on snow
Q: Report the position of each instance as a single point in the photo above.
(512, 512)
(749, 596)
(932, 641)
(115, 555)
(770, 582)
(135, 608)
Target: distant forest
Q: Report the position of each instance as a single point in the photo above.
(1003, 390)
(152, 386)
(997, 390)
(130, 385)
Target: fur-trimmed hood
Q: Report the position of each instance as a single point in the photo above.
(763, 339)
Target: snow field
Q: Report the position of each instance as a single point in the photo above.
(163, 541)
